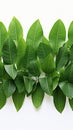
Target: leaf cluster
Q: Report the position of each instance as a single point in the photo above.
(36, 66)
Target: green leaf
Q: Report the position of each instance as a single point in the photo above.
(3, 36)
(62, 57)
(59, 99)
(8, 87)
(46, 84)
(29, 56)
(28, 84)
(57, 35)
(19, 84)
(9, 52)
(15, 30)
(2, 97)
(71, 53)
(68, 73)
(67, 89)
(43, 51)
(71, 103)
(11, 70)
(33, 68)
(70, 32)
(48, 64)
(2, 71)
(18, 99)
(21, 49)
(35, 34)
(37, 96)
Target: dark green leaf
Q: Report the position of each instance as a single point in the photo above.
(8, 87)
(37, 96)
(35, 34)
(11, 70)
(48, 64)
(18, 99)
(67, 89)
(43, 51)
(19, 84)
(46, 84)
(62, 57)
(2, 97)
(71, 103)
(9, 52)
(57, 35)
(59, 99)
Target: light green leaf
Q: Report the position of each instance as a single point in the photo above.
(3, 36)
(8, 87)
(15, 30)
(48, 64)
(46, 84)
(35, 34)
(18, 99)
(62, 57)
(43, 51)
(28, 84)
(71, 103)
(9, 52)
(67, 88)
(70, 32)
(37, 96)
(2, 97)
(19, 84)
(59, 99)
(57, 35)
(11, 70)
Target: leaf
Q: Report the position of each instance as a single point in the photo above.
(71, 53)
(21, 49)
(19, 82)
(11, 70)
(8, 87)
(59, 99)
(9, 52)
(37, 96)
(2, 71)
(35, 34)
(33, 68)
(46, 84)
(48, 64)
(57, 35)
(18, 99)
(70, 32)
(3, 36)
(29, 56)
(67, 89)
(62, 57)
(15, 30)
(43, 51)
(2, 97)
(68, 73)
(71, 103)
(28, 84)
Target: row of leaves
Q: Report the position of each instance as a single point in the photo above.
(36, 66)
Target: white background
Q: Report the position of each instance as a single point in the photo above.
(28, 118)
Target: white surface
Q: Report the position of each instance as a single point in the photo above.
(46, 118)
